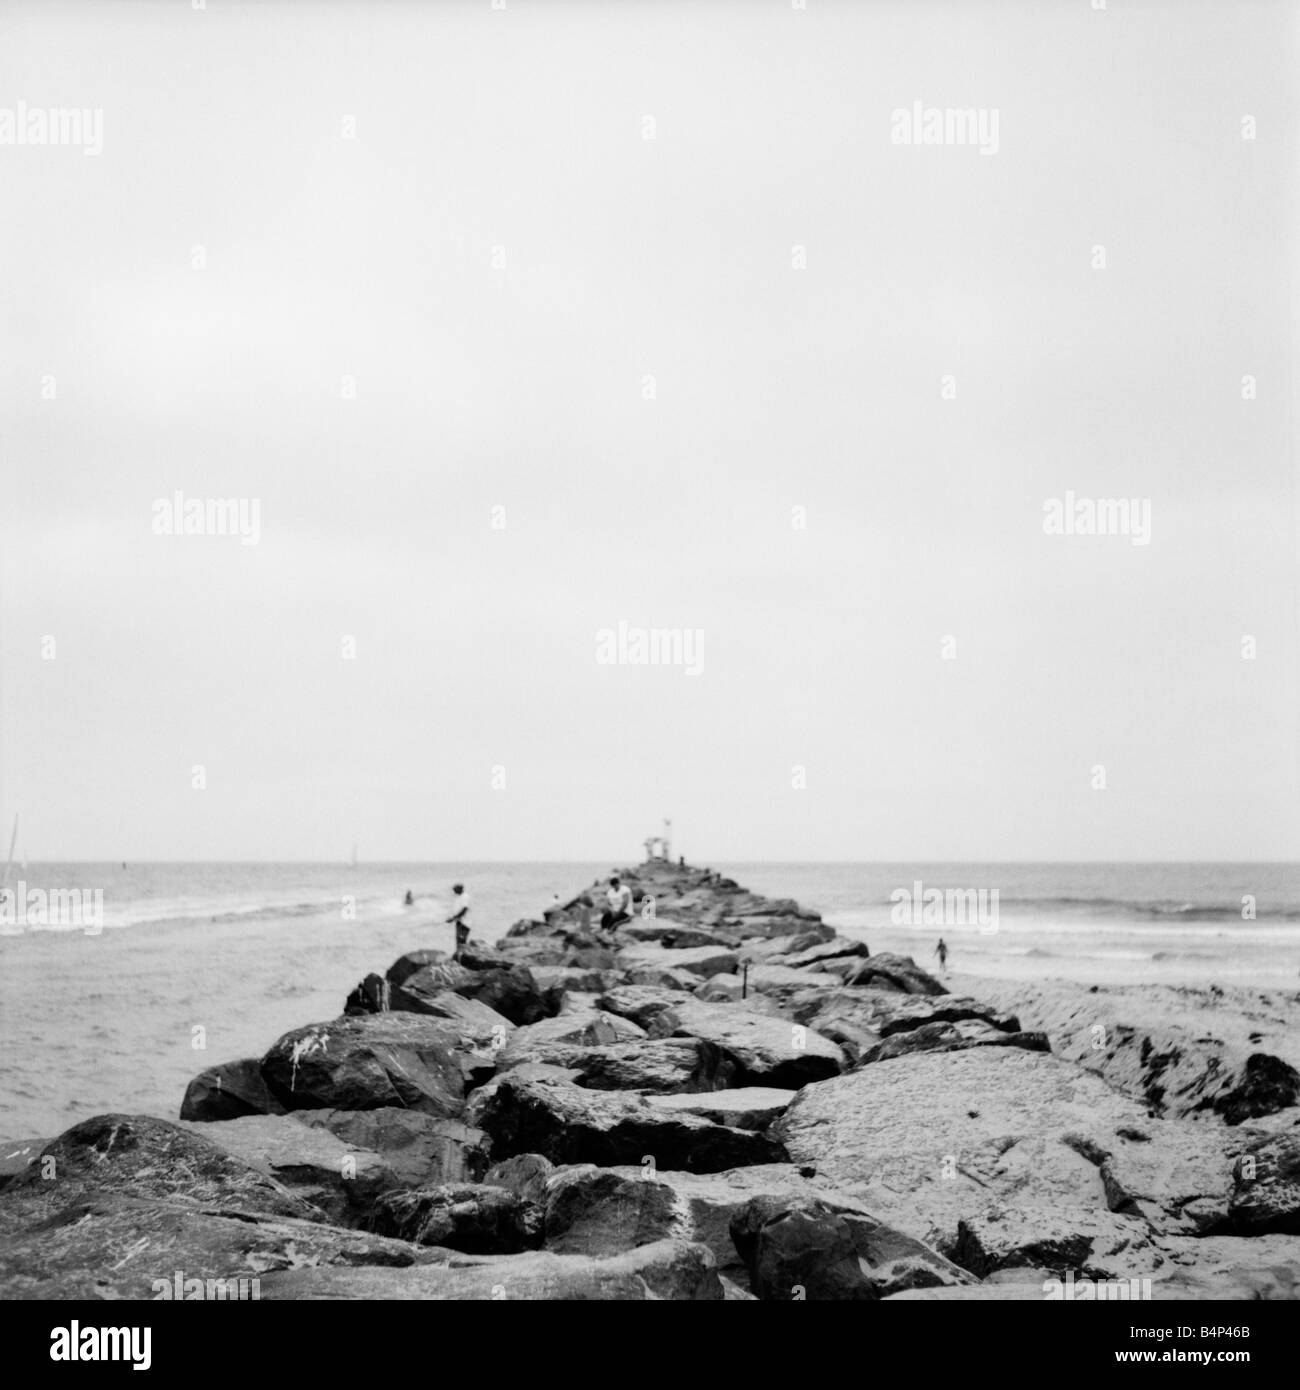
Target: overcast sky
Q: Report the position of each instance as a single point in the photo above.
(500, 259)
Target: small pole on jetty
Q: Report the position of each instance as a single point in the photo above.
(744, 981)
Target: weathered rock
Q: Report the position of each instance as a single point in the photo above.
(642, 1003)
(1176, 1049)
(937, 1139)
(799, 1249)
(314, 1164)
(15, 1157)
(406, 966)
(652, 1066)
(746, 1107)
(760, 950)
(526, 1175)
(772, 926)
(371, 996)
(116, 1247)
(667, 1270)
(142, 1157)
(579, 1028)
(367, 1062)
(670, 933)
(568, 1124)
(599, 1211)
(951, 1037)
(662, 977)
(1071, 1238)
(887, 971)
(555, 981)
(479, 1026)
(509, 990)
(1177, 1177)
(783, 983)
(1255, 1268)
(858, 1019)
(228, 1091)
(1266, 1188)
(698, 960)
(471, 1217)
(764, 1051)
(421, 1150)
(839, 948)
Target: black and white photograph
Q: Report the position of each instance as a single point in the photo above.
(649, 651)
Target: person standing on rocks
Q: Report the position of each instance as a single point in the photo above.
(941, 950)
(618, 896)
(460, 916)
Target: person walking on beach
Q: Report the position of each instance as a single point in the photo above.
(941, 950)
(619, 910)
(460, 916)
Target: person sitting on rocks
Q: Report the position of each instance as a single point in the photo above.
(619, 909)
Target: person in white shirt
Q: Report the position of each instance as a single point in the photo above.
(618, 896)
(460, 916)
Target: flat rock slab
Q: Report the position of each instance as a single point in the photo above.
(764, 1051)
(642, 1003)
(951, 1037)
(144, 1157)
(568, 1124)
(665, 1270)
(698, 960)
(745, 1107)
(113, 1247)
(840, 948)
(670, 933)
(935, 1139)
(539, 1042)
(650, 1066)
(420, 1149)
(362, 1063)
(884, 1014)
(316, 1165)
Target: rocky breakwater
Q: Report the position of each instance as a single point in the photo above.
(721, 1099)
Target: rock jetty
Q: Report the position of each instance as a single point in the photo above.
(721, 1099)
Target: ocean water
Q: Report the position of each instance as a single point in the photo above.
(203, 963)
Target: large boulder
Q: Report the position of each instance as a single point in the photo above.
(642, 1004)
(337, 1179)
(799, 1250)
(665, 1270)
(816, 957)
(141, 1157)
(578, 1028)
(951, 1037)
(510, 990)
(1266, 1188)
(670, 933)
(697, 960)
(472, 1217)
(526, 1175)
(228, 1091)
(602, 1211)
(421, 1150)
(887, 971)
(567, 1124)
(117, 1247)
(997, 1138)
(745, 1107)
(366, 1062)
(763, 1051)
